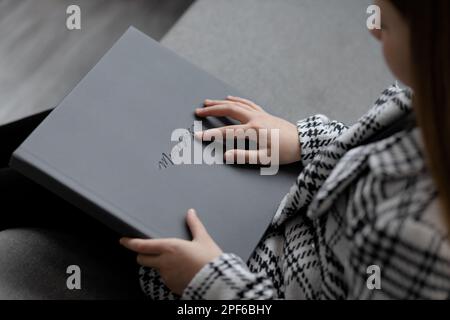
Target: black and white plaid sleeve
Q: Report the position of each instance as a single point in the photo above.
(411, 255)
(316, 133)
(228, 278)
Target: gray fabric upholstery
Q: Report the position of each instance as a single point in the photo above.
(33, 265)
(41, 61)
(299, 57)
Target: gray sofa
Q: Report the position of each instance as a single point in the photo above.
(299, 57)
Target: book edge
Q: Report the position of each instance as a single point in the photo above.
(66, 188)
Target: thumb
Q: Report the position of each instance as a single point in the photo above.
(195, 225)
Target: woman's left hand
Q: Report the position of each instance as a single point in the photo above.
(177, 261)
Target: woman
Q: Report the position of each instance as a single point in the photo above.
(365, 200)
(374, 196)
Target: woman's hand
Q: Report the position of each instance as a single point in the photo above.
(251, 116)
(177, 261)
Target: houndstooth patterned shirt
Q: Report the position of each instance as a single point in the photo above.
(359, 202)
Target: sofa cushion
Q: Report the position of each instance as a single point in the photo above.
(34, 262)
(299, 57)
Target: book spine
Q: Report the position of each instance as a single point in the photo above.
(19, 163)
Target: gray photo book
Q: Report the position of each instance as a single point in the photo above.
(106, 149)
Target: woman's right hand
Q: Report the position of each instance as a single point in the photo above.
(251, 116)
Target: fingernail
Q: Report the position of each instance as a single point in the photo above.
(191, 211)
(198, 110)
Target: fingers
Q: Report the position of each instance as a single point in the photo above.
(240, 101)
(211, 103)
(240, 156)
(234, 107)
(196, 227)
(225, 110)
(149, 261)
(146, 246)
(245, 102)
(222, 132)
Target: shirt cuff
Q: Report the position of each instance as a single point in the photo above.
(225, 278)
(315, 133)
